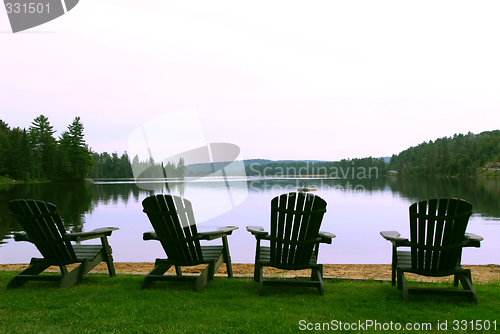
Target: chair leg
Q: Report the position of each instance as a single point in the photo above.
(227, 257)
(74, 276)
(159, 269)
(216, 267)
(64, 270)
(318, 272)
(317, 276)
(321, 288)
(108, 257)
(402, 285)
(204, 277)
(261, 280)
(394, 265)
(466, 281)
(456, 279)
(178, 270)
(35, 268)
(314, 274)
(256, 271)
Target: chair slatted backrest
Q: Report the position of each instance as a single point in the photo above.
(438, 227)
(173, 221)
(295, 221)
(42, 223)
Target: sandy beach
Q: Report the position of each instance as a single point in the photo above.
(480, 274)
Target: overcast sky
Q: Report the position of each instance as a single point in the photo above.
(282, 80)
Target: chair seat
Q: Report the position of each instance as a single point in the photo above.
(87, 251)
(209, 253)
(82, 252)
(265, 259)
(404, 263)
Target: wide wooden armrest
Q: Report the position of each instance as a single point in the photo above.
(21, 236)
(473, 240)
(96, 233)
(218, 233)
(473, 237)
(393, 236)
(326, 236)
(149, 236)
(256, 230)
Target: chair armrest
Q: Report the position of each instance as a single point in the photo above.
(473, 237)
(218, 233)
(149, 236)
(394, 237)
(473, 240)
(22, 236)
(326, 237)
(96, 233)
(257, 231)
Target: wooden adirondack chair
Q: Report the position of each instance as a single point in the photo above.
(294, 239)
(175, 227)
(437, 237)
(43, 227)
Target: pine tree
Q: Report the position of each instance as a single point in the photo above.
(74, 157)
(43, 145)
(126, 166)
(181, 168)
(64, 167)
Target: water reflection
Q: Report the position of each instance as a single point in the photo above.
(357, 211)
(483, 194)
(73, 202)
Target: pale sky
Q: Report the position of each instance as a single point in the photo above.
(323, 80)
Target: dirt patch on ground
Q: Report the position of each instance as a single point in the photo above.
(483, 274)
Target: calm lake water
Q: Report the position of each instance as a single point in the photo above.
(357, 211)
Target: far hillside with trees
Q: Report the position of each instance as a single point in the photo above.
(460, 155)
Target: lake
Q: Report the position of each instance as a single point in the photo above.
(357, 211)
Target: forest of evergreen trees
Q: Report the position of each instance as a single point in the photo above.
(460, 155)
(35, 154)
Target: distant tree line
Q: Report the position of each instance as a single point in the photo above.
(460, 155)
(112, 166)
(35, 154)
(365, 168)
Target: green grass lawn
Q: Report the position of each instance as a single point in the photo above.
(100, 304)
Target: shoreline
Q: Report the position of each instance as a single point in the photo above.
(480, 273)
